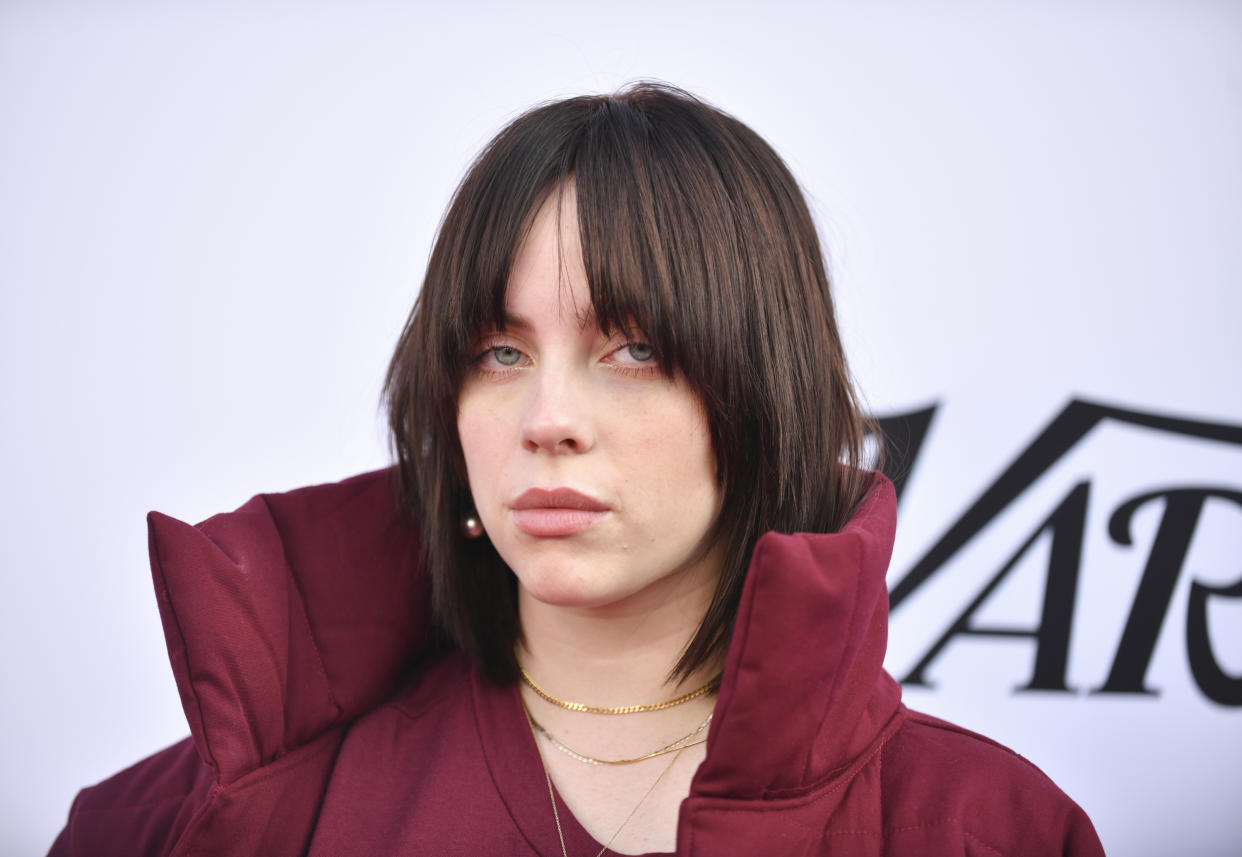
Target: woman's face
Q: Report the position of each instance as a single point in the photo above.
(592, 471)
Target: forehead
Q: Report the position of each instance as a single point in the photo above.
(548, 280)
(572, 251)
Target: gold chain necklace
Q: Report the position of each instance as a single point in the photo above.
(681, 743)
(556, 815)
(620, 709)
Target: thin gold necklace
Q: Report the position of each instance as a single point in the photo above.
(681, 743)
(556, 815)
(620, 709)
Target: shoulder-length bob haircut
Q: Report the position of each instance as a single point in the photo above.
(694, 231)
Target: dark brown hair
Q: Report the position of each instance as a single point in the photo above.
(692, 229)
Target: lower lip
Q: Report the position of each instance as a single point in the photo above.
(555, 522)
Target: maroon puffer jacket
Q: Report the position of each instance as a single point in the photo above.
(293, 616)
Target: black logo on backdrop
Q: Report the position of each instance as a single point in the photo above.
(1065, 525)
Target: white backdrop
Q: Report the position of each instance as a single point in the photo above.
(213, 220)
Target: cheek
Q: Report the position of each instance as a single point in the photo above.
(477, 436)
(680, 462)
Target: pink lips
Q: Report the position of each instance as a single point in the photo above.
(559, 512)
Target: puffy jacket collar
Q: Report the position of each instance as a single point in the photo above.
(291, 615)
(297, 612)
(808, 647)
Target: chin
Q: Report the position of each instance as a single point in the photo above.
(557, 591)
(558, 586)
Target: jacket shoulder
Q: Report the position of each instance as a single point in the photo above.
(173, 805)
(140, 811)
(933, 771)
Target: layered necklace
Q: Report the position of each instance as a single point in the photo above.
(620, 709)
(691, 739)
(682, 743)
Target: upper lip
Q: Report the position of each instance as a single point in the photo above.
(558, 498)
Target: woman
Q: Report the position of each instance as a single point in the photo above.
(629, 443)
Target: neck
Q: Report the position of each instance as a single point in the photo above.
(618, 654)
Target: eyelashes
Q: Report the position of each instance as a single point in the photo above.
(640, 352)
(499, 358)
(505, 355)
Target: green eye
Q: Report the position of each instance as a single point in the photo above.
(506, 356)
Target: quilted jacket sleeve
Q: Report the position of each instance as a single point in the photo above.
(141, 811)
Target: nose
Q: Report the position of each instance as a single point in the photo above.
(558, 415)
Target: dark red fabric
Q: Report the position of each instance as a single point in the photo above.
(284, 620)
(142, 810)
(292, 617)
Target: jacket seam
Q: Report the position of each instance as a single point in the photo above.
(167, 598)
(879, 774)
(899, 828)
(842, 776)
(146, 804)
(201, 821)
(855, 582)
(982, 842)
(205, 818)
(930, 722)
(813, 795)
(305, 617)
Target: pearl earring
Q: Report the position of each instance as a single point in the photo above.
(471, 526)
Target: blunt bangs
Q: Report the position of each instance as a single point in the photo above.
(692, 230)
